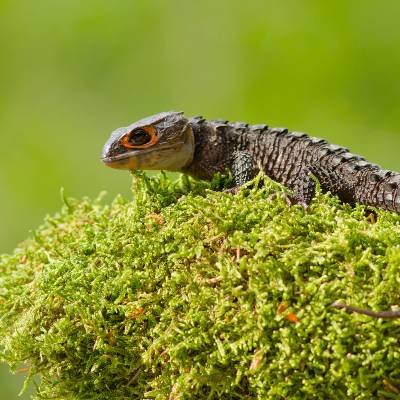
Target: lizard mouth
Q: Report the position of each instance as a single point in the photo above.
(153, 158)
(138, 153)
(117, 158)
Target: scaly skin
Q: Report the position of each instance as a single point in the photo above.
(201, 148)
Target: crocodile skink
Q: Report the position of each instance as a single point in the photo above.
(200, 148)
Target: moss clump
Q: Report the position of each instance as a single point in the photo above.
(190, 293)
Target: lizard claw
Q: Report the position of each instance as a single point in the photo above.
(284, 196)
(290, 200)
(296, 201)
(234, 190)
(303, 204)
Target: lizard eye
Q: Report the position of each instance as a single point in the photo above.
(140, 138)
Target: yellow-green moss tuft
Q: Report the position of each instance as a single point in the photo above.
(189, 293)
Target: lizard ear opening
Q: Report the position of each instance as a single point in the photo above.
(140, 138)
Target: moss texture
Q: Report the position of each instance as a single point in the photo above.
(190, 293)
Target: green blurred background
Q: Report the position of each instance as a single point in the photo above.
(72, 71)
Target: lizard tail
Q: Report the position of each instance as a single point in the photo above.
(379, 188)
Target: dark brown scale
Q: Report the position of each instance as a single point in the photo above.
(290, 158)
(261, 128)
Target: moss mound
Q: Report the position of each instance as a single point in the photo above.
(188, 293)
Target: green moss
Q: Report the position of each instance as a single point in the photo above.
(187, 293)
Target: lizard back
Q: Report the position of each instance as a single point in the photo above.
(290, 158)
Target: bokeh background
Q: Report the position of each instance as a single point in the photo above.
(71, 71)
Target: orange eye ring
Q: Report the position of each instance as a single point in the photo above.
(150, 130)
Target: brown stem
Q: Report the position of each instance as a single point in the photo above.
(370, 313)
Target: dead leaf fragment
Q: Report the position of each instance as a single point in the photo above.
(281, 308)
(215, 280)
(255, 363)
(390, 387)
(137, 312)
(157, 218)
(292, 317)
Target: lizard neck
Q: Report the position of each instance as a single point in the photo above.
(211, 153)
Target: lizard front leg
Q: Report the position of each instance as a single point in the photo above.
(303, 187)
(242, 168)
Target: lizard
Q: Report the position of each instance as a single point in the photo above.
(201, 148)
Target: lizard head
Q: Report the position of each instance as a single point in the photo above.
(162, 141)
